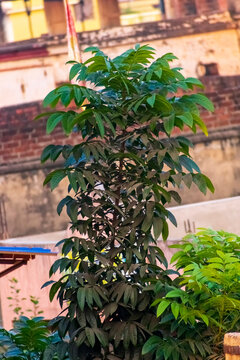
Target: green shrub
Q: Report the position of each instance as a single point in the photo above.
(26, 341)
(122, 172)
(205, 299)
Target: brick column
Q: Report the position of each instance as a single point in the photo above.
(180, 8)
(205, 6)
(55, 16)
(109, 13)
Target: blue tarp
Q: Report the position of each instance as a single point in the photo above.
(15, 249)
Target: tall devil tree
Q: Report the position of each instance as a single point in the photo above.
(122, 173)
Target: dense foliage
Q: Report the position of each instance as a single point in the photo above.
(205, 299)
(27, 341)
(122, 172)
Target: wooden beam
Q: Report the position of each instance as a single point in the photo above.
(17, 265)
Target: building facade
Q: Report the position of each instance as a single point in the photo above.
(206, 40)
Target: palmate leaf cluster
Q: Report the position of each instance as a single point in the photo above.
(123, 170)
(27, 341)
(205, 299)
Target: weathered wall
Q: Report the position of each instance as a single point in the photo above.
(32, 208)
(218, 158)
(195, 40)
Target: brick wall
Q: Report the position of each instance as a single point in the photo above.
(225, 94)
(22, 139)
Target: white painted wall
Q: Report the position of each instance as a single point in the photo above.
(25, 85)
(223, 214)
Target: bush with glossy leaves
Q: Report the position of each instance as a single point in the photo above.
(204, 300)
(123, 171)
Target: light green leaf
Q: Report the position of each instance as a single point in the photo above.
(186, 118)
(175, 309)
(151, 100)
(162, 307)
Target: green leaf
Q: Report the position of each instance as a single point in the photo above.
(102, 336)
(74, 70)
(81, 181)
(151, 344)
(157, 227)
(200, 181)
(54, 178)
(73, 181)
(165, 231)
(200, 123)
(186, 118)
(194, 81)
(169, 124)
(202, 100)
(49, 352)
(158, 73)
(151, 100)
(162, 307)
(209, 183)
(54, 289)
(92, 49)
(175, 309)
(133, 334)
(163, 105)
(90, 336)
(100, 124)
(188, 163)
(81, 294)
(46, 153)
(51, 99)
(62, 203)
(53, 121)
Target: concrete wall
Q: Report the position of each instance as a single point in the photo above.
(195, 40)
(30, 207)
(220, 214)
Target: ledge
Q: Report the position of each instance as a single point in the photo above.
(133, 33)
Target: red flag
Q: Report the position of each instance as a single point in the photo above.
(74, 52)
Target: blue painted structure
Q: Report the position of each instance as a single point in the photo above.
(16, 249)
(18, 256)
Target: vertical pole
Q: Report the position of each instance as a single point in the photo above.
(162, 8)
(2, 37)
(3, 220)
(28, 12)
